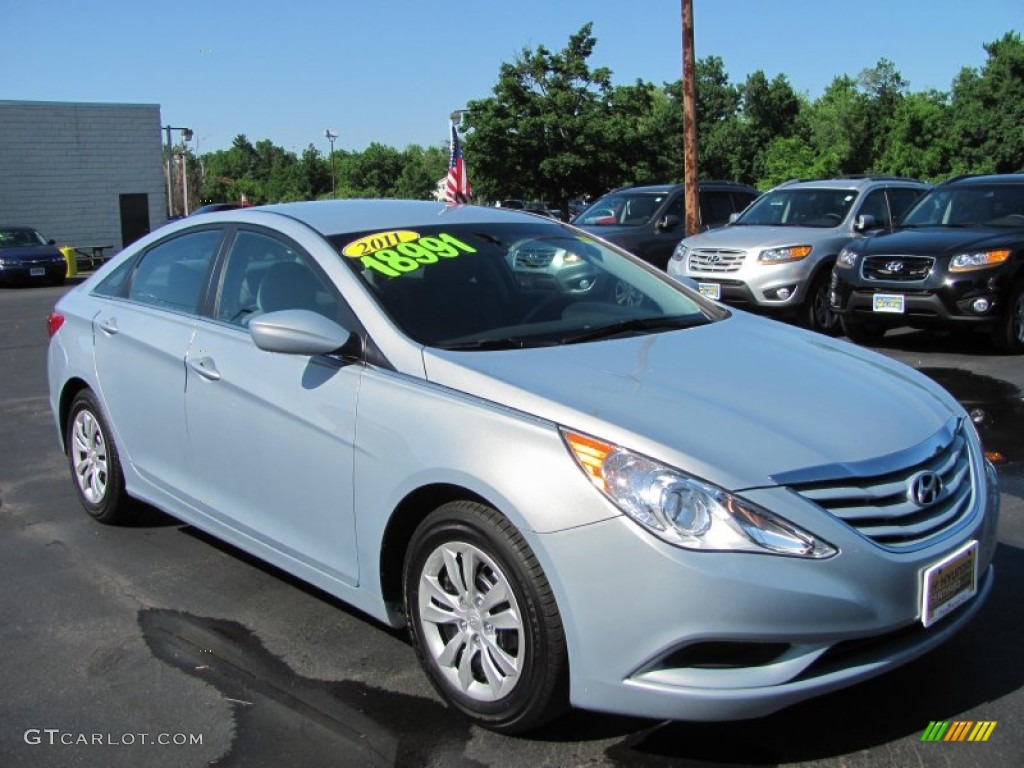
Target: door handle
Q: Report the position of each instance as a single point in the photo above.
(109, 325)
(205, 367)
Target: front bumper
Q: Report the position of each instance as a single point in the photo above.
(33, 272)
(674, 634)
(941, 300)
(755, 284)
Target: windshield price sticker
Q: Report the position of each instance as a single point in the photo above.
(400, 252)
(888, 302)
(710, 290)
(949, 583)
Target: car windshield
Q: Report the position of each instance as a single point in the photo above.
(511, 285)
(16, 238)
(799, 208)
(628, 209)
(994, 205)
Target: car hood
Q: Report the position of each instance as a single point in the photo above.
(736, 402)
(931, 241)
(757, 236)
(29, 251)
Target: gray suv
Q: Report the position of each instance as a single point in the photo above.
(778, 254)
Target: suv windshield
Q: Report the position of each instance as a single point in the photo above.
(508, 285)
(629, 209)
(799, 208)
(975, 205)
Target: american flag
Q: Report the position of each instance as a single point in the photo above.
(459, 190)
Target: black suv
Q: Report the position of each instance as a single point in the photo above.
(956, 259)
(649, 221)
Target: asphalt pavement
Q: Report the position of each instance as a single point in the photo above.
(155, 645)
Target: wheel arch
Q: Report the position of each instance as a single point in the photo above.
(410, 511)
(67, 396)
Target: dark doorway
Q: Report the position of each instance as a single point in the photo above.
(134, 217)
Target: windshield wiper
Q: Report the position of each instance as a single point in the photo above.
(635, 325)
(508, 342)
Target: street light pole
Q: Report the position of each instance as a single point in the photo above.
(186, 135)
(331, 137)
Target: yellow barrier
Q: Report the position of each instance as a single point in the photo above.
(71, 258)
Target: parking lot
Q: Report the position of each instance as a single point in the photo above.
(156, 645)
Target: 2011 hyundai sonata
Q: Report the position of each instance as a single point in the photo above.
(657, 506)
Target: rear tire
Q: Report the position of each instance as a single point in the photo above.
(94, 462)
(1008, 333)
(860, 332)
(483, 619)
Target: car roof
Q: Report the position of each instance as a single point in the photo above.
(849, 182)
(331, 217)
(989, 178)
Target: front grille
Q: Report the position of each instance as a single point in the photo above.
(715, 260)
(898, 268)
(528, 258)
(883, 508)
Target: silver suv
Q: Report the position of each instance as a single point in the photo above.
(778, 254)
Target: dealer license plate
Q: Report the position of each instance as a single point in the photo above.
(37, 271)
(711, 290)
(889, 302)
(949, 583)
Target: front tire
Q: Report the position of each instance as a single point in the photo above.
(817, 311)
(94, 462)
(483, 619)
(1008, 333)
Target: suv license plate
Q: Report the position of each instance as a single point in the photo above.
(711, 290)
(949, 583)
(37, 271)
(889, 302)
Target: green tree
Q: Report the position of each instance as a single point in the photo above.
(545, 128)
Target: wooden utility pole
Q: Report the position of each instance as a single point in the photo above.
(689, 123)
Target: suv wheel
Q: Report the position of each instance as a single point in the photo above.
(818, 314)
(862, 333)
(1008, 333)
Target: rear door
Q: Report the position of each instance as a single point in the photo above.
(141, 339)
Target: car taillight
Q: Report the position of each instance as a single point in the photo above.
(54, 322)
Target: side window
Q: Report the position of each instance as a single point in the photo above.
(740, 200)
(900, 200)
(114, 283)
(173, 274)
(264, 274)
(715, 208)
(874, 205)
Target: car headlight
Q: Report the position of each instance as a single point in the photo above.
(965, 262)
(847, 259)
(683, 510)
(786, 253)
(680, 253)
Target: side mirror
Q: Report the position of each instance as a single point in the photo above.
(297, 332)
(864, 222)
(51, 242)
(733, 216)
(667, 222)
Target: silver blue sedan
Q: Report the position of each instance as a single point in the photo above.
(450, 418)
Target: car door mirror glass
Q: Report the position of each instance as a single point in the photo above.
(667, 222)
(297, 332)
(864, 222)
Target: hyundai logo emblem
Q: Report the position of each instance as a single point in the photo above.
(713, 258)
(894, 266)
(924, 488)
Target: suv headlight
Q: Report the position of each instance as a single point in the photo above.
(965, 262)
(847, 258)
(680, 253)
(784, 254)
(685, 511)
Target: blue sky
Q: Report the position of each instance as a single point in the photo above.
(392, 70)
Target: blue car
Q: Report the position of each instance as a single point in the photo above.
(26, 256)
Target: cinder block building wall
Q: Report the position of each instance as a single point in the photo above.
(82, 174)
